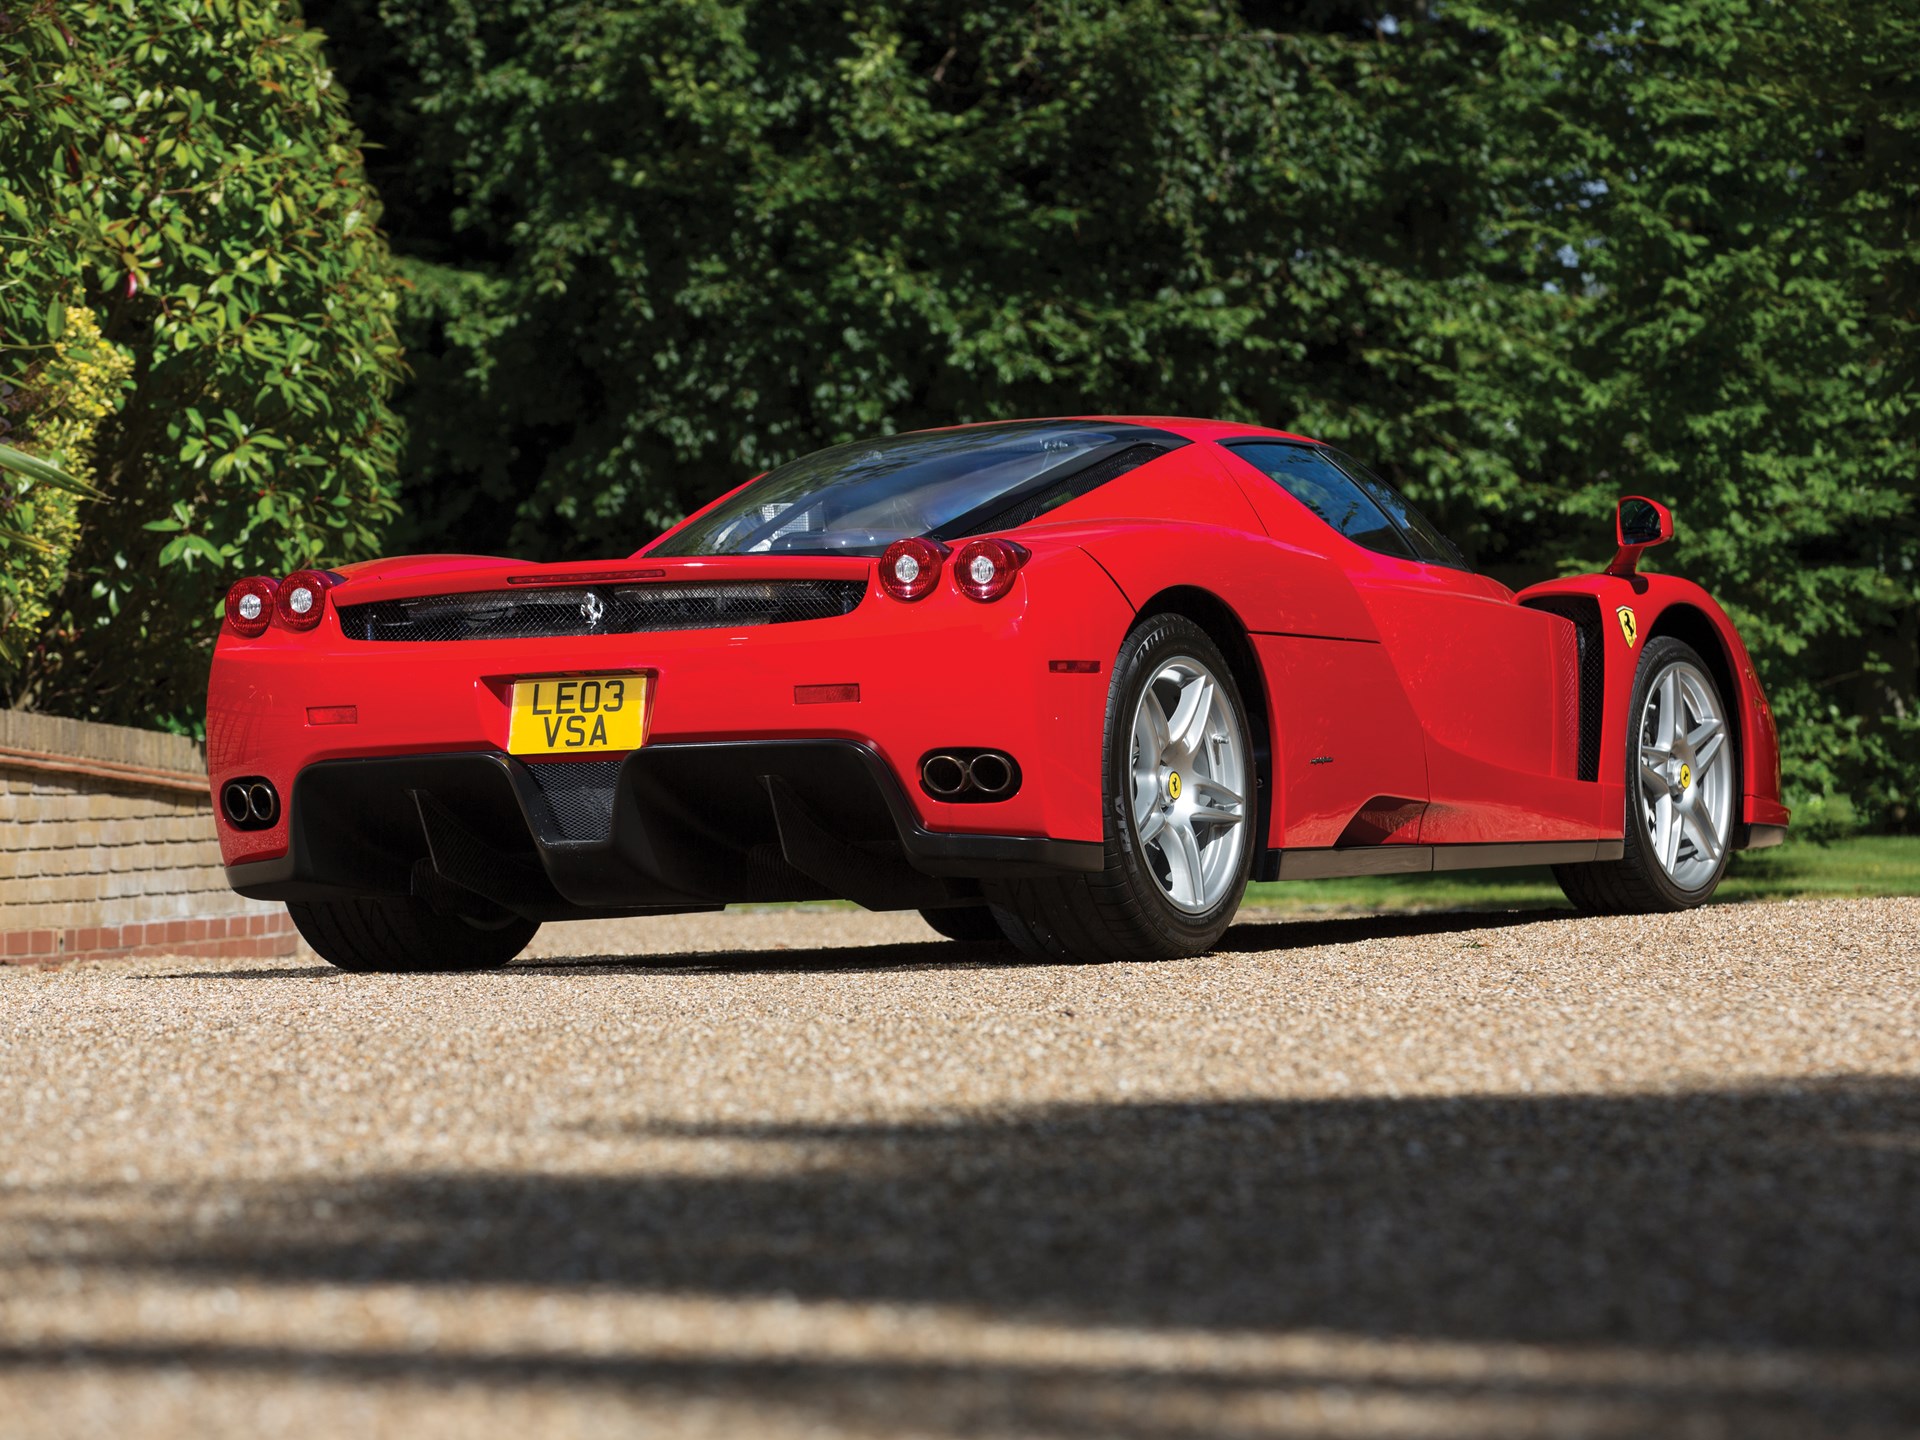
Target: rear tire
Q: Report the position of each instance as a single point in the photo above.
(1179, 802)
(1682, 791)
(968, 924)
(378, 935)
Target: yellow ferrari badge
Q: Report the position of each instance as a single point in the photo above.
(1629, 624)
(1173, 786)
(1686, 776)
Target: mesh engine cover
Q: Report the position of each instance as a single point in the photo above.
(579, 796)
(600, 610)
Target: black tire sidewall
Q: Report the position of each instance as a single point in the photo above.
(1148, 647)
(385, 935)
(1639, 850)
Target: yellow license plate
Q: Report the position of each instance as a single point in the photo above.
(578, 715)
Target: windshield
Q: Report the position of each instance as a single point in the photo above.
(858, 499)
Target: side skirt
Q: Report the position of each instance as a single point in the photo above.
(1425, 859)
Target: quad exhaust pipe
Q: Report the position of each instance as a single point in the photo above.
(969, 776)
(250, 803)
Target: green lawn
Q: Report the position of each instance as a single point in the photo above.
(1869, 865)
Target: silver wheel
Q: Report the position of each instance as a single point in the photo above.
(1190, 785)
(1686, 774)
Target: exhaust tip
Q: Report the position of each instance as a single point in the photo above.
(943, 775)
(233, 800)
(991, 773)
(966, 776)
(262, 804)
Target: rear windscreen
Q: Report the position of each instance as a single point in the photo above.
(858, 499)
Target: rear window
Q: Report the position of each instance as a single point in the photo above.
(857, 499)
(1352, 499)
(1308, 473)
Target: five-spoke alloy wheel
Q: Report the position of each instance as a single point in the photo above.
(1190, 784)
(1683, 782)
(1686, 778)
(1181, 812)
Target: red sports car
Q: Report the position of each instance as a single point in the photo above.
(1066, 683)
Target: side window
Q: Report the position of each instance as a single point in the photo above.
(1428, 543)
(1308, 474)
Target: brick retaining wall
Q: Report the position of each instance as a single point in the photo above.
(107, 847)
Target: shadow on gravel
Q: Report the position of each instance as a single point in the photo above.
(1250, 937)
(1776, 1221)
(1242, 939)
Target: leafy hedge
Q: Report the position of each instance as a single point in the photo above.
(80, 381)
(186, 171)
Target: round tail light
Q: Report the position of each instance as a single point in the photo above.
(984, 569)
(250, 605)
(910, 568)
(302, 599)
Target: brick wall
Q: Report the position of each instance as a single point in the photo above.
(107, 847)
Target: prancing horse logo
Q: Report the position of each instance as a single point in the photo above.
(592, 609)
(1629, 624)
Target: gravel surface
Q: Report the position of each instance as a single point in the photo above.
(815, 1173)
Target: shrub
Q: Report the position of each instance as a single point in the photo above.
(82, 381)
(186, 170)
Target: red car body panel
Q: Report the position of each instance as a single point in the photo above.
(1667, 604)
(1404, 704)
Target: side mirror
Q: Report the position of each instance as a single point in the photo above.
(1637, 523)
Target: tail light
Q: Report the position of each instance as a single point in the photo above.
(910, 568)
(984, 569)
(250, 605)
(302, 599)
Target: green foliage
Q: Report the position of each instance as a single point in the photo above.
(1738, 186)
(80, 382)
(1528, 257)
(186, 169)
(690, 240)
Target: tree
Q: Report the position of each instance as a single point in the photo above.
(657, 246)
(1732, 188)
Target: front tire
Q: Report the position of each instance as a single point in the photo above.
(1179, 805)
(392, 936)
(1683, 784)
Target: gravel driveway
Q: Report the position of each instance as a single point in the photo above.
(816, 1173)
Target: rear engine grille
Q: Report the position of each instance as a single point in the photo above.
(600, 610)
(579, 796)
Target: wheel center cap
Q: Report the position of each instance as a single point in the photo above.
(1686, 776)
(1173, 785)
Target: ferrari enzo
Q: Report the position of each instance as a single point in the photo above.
(1067, 684)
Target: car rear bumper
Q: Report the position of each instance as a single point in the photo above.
(669, 827)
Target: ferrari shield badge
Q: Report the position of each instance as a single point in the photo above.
(1629, 624)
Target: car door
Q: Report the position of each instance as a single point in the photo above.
(1493, 684)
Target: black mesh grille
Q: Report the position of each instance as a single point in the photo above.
(1584, 612)
(600, 610)
(579, 796)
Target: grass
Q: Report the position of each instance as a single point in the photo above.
(1866, 865)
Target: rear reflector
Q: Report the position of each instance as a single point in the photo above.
(333, 714)
(825, 694)
(1074, 667)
